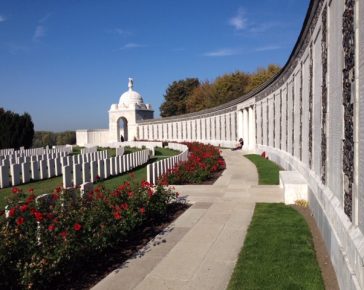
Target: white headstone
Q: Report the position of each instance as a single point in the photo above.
(50, 165)
(34, 168)
(93, 171)
(15, 174)
(77, 174)
(86, 176)
(25, 172)
(4, 176)
(100, 169)
(107, 168)
(86, 188)
(43, 169)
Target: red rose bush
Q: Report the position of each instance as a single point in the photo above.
(203, 162)
(41, 238)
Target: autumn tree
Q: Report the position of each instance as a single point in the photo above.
(176, 95)
(262, 75)
(201, 97)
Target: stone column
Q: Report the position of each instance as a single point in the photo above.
(251, 128)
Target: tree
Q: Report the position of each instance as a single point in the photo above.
(262, 75)
(176, 96)
(201, 97)
(15, 130)
(230, 86)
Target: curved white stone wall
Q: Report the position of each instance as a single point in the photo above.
(308, 118)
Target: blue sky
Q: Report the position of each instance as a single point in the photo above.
(66, 62)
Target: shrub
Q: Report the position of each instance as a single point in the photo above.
(39, 241)
(203, 161)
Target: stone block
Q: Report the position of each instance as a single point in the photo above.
(34, 168)
(294, 185)
(4, 176)
(77, 174)
(86, 176)
(15, 174)
(120, 151)
(25, 172)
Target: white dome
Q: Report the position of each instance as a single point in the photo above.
(131, 97)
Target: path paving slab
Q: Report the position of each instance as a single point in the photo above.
(199, 250)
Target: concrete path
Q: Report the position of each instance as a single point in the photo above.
(199, 250)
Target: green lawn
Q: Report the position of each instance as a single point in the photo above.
(268, 171)
(48, 185)
(278, 252)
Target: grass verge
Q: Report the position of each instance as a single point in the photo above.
(278, 252)
(48, 185)
(268, 171)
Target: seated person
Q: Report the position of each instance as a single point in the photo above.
(239, 145)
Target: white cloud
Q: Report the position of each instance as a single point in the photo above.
(39, 33)
(222, 52)
(239, 22)
(2, 18)
(268, 47)
(131, 45)
(122, 32)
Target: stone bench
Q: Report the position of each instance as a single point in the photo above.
(294, 186)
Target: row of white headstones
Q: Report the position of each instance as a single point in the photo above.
(20, 170)
(90, 171)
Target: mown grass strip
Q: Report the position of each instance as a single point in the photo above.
(268, 171)
(278, 252)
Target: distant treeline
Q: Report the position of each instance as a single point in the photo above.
(44, 138)
(191, 95)
(15, 130)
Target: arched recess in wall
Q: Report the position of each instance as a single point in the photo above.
(122, 125)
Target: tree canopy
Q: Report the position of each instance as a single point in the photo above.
(191, 95)
(176, 95)
(15, 130)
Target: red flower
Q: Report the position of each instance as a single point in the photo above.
(12, 212)
(97, 178)
(55, 196)
(38, 216)
(23, 208)
(30, 198)
(15, 190)
(19, 220)
(63, 234)
(58, 189)
(124, 206)
(117, 215)
(51, 227)
(142, 210)
(130, 193)
(30, 190)
(76, 227)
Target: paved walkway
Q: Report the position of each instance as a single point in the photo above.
(199, 250)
